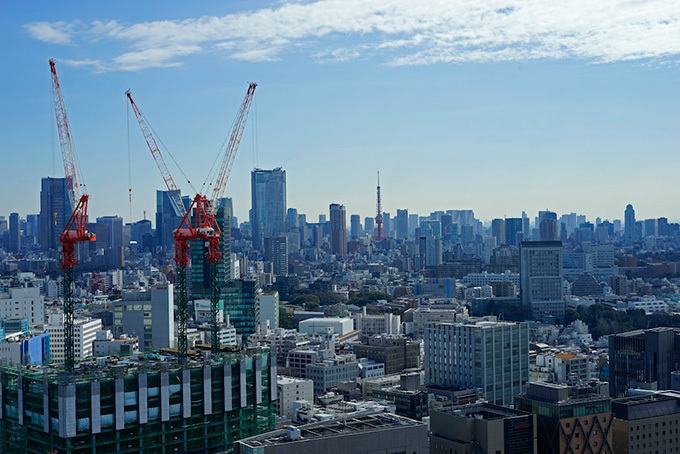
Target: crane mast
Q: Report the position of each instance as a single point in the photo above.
(76, 228)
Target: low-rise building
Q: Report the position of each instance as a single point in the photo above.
(396, 352)
(290, 390)
(331, 371)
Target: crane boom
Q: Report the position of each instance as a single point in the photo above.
(232, 148)
(64, 129)
(158, 157)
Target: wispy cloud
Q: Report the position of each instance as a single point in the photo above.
(397, 32)
(50, 32)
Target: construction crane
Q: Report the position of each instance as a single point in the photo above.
(76, 229)
(199, 221)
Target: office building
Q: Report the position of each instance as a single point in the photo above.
(339, 325)
(482, 428)
(513, 231)
(541, 277)
(328, 372)
(276, 252)
(168, 218)
(396, 352)
(289, 390)
(55, 211)
(646, 424)
(369, 225)
(402, 224)
(643, 359)
(380, 433)
(355, 226)
(114, 227)
(498, 230)
(630, 233)
(149, 407)
(338, 229)
(268, 192)
(482, 353)
(200, 267)
(241, 297)
(570, 419)
(84, 334)
(149, 315)
(23, 302)
(292, 219)
(268, 309)
(14, 233)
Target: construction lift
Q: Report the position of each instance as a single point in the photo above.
(75, 231)
(198, 222)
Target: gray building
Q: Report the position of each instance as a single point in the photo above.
(149, 315)
(331, 371)
(55, 211)
(402, 224)
(14, 232)
(481, 353)
(541, 282)
(268, 192)
(482, 428)
(643, 359)
(643, 424)
(396, 352)
(276, 251)
(377, 433)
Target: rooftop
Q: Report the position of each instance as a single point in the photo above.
(334, 428)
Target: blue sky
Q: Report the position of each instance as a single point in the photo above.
(497, 106)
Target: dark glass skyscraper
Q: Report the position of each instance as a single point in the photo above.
(338, 229)
(168, 218)
(629, 234)
(55, 211)
(268, 189)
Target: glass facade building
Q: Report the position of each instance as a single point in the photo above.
(268, 189)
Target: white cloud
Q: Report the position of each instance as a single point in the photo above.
(400, 32)
(53, 33)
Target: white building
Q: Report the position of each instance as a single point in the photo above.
(105, 344)
(541, 285)
(377, 324)
(289, 390)
(149, 315)
(23, 302)
(340, 325)
(268, 304)
(84, 334)
(331, 371)
(424, 316)
(482, 353)
(485, 278)
(370, 369)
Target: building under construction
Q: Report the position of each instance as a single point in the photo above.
(153, 405)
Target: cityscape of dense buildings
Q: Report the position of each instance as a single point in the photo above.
(556, 334)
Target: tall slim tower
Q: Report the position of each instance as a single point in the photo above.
(268, 189)
(338, 229)
(379, 230)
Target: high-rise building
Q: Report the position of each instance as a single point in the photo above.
(355, 226)
(541, 277)
(268, 192)
(643, 359)
(149, 315)
(369, 225)
(14, 233)
(629, 217)
(276, 251)
(468, 355)
(498, 231)
(338, 229)
(55, 211)
(513, 231)
(114, 225)
(168, 217)
(292, 219)
(241, 296)
(402, 224)
(33, 226)
(268, 309)
(200, 268)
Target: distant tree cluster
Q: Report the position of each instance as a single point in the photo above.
(603, 320)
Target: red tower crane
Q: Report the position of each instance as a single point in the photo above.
(76, 229)
(199, 222)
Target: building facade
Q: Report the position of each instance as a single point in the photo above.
(338, 229)
(149, 315)
(541, 277)
(268, 188)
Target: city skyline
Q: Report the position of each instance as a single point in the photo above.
(582, 119)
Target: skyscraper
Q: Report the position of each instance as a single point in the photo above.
(292, 221)
(14, 233)
(541, 277)
(355, 226)
(498, 230)
(55, 211)
(114, 225)
(513, 230)
(629, 217)
(276, 251)
(338, 229)
(402, 224)
(200, 269)
(168, 217)
(268, 191)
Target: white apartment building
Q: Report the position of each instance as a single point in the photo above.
(84, 335)
(23, 302)
(289, 390)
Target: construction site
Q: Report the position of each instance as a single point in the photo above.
(171, 401)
